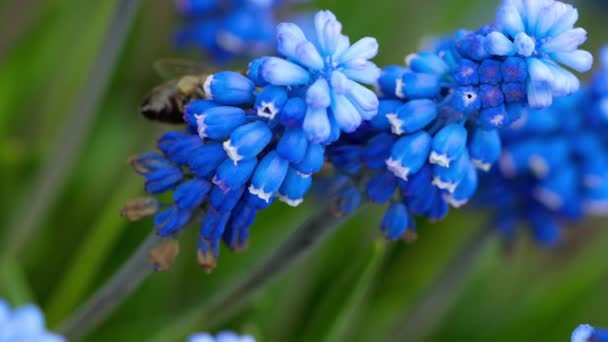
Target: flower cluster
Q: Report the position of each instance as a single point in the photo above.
(440, 116)
(25, 323)
(421, 146)
(226, 29)
(553, 167)
(587, 333)
(224, 336)
(261, 136)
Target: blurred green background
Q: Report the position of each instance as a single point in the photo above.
(353, 288)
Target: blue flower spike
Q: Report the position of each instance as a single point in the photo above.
(430, 140)
(542, 33)
(331, 70)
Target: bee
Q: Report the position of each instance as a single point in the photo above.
(165, 103)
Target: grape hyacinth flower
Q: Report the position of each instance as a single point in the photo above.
(439, 119)
(587, 333)
(223, 336)
(25, 323)
(326, 71)
(553, 167)
(249, 142)
(543, 34)
(229, 29)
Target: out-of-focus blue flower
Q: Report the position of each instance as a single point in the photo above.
(553, 165)
(327, 70)
(25, 323)
(229, 29)
(587, 333)
(224, 336)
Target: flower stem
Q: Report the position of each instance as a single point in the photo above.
(131, 274)
(431, 306)
(53, 174)
(315, 230)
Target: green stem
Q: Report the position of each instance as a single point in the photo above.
(53, 174)
(341, 328)
(429, 309)
(131, 274)
(222, 306)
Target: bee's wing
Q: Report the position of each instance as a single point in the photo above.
(171, 68)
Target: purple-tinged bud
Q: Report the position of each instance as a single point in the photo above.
(514, 69)
(490, 72)
(466, 73)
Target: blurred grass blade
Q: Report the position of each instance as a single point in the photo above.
(16, 289)
(89, 258)
(223, 305)
(128, 278)
(342, 327)
(420, 320)
(53, 173)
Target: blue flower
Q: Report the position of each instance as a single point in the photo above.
(395, 221)
(586, 333)
(229, 30)
(25, 323)
(223, 336)
(552, 167)
(330, 71)
(447, 110)
(543, 33)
